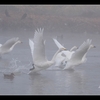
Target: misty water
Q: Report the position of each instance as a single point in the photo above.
(84, 79)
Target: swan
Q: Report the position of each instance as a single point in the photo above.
(40, 61)
(64, 54)
(79, 56)
(31, 45)
(9, 45)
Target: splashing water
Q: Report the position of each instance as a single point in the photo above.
(15, 66)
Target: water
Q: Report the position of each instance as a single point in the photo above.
(84, 79)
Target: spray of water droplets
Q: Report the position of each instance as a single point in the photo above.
(16, 66)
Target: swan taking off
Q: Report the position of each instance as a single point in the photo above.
(64, 54)
(79, 56)
(38, 52)
(9, 45)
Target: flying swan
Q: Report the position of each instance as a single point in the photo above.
(37, 47)
(79, 56)
(64, 54)
(9, 45)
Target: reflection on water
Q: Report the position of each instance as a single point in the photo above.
(39, 84)
(57, 82)
(84, 79)
(76, 82)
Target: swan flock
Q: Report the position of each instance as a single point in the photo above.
(63, 58)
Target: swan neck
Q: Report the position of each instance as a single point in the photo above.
(72, 48)
(89, 47)
(53, 59)
(13, 45)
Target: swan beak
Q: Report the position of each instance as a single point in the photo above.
(65, 49)
(21, 42)
(94, 46)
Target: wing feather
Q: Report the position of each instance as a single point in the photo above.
(39, 47)
(58, 44)
(81, 51)
(31, 44)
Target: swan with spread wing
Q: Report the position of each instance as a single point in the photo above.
(79, 56)
(64, 54)
(37, 47)
(9, 45)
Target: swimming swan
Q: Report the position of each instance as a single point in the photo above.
(64, 54)
(9, 45)
(79, 56)
(38, 48)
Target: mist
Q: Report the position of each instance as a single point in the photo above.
(54, 18)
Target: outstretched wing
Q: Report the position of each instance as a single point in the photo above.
(58, 44)
(81, 51)
(31, 44)
(39, 47)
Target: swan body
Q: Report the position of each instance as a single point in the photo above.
(38, 52)
(79, 56)
(9, 45)
(64, 54)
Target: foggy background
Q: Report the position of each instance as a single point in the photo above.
(54, 18)
(72, 25)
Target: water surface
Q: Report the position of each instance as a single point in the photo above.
(84, 79)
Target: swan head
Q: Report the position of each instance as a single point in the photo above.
(75, 47)
(62, 49)
(92, 46)
(19, 41)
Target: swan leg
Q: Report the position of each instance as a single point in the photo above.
(33, 67)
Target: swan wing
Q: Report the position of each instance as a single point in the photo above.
(39, 47)
(31, 44)
(9, 43)
(58, 44)
(81, 51)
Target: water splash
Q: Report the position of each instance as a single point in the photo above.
(16, 66)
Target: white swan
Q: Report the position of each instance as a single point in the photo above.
(31, 45)
(9, 45)
(64, 54)
(38, 48)
(79, 56)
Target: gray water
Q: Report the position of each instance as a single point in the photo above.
(84, 79)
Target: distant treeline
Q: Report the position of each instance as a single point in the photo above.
(52, 18)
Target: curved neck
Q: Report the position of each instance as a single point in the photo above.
(72, 48)
(53, 58)
(90, 47)
(14, 45)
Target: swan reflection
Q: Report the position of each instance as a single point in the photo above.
(58, 82)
